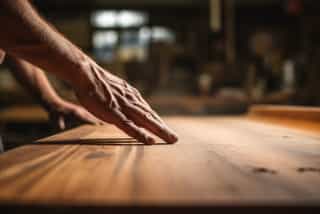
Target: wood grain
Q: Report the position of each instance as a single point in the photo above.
(88, 134)
(218, 161)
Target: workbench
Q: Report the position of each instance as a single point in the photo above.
(219, 162)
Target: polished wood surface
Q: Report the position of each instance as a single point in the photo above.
(309, 114)
(298, 117)
(217, 161)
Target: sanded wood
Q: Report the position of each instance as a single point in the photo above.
(217, 161)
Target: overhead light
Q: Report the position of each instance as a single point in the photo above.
(104, 18)
(127, 18)
(123, 18)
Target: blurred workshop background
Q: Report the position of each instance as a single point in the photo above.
(196, 57)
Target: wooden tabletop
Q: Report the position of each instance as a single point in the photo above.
(217, 161)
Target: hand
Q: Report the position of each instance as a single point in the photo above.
(65, 115)
(2, 55)
(115, 101)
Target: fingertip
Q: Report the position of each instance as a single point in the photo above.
(101, 123)
(150, 140)
(173, 139)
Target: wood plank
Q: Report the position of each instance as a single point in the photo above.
(311, 114)
(88, 134)
(218, 161)
(303, 118)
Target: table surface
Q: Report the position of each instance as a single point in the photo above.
(217, 161)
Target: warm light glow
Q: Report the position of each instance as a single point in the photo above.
(124, 18)
(128, 18)
(104, 18)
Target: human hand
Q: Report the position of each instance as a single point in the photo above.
(65, 115)
(2, 55)
(115, 101)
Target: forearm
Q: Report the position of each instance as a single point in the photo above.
(35, 81)
(29, 37)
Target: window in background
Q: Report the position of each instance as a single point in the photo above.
(105, 43)
(104, 18)
(125, 34)
(162, 34)
(117, 33)
(122, 18)
(145, 35)
(127, 18)
(134, 44)
(130, 48)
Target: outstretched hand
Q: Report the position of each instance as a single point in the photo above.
(65, 115)
(106, 96)
(115, 101)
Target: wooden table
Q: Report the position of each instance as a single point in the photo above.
(218, 162)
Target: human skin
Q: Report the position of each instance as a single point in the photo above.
(62, 113)
(29, 37)
(2, 55)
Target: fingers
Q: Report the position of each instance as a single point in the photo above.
(137, 100)
(87, 117)
(131, 129)
(148, 109)
(2, 56)
(116, 108)
(146, 120)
